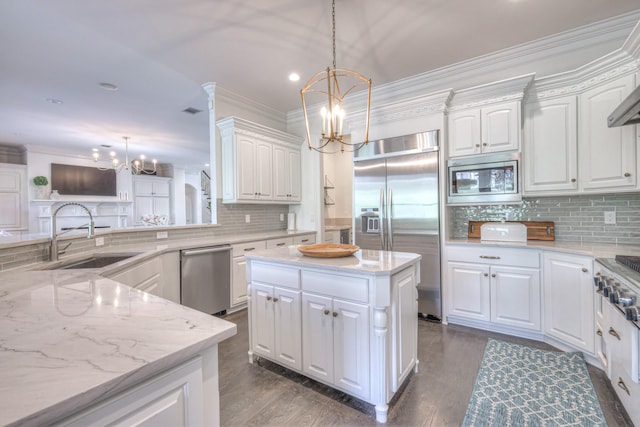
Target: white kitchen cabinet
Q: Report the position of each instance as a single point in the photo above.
(287, 174)
(152, 195)
(336, 342)
(551, 146)
(239, 272)
(174, 398)
(305, 239)
(569, 300)
(280, 242)
(259, 164)
(496, 286)
(491, 129)
(14, 204)
(607, 155)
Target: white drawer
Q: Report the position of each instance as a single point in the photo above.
(336, 285)
(495, 256)
(275, 275)
(629, 399)
(304, 240)
(241, 249)
(278, 243)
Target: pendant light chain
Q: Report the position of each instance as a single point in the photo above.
(333, 17)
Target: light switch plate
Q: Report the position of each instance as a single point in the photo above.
(610, 217)
(162, 235)
(281, 217)
(247, 219)
(99, 241)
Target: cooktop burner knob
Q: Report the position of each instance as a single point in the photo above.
(632, 313)
(614, 297)
(606, 291)
(627, 298)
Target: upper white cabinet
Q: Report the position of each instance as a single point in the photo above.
(489, 129)
(551, 145)
(607, 155)
(259, 164)
(152, 195)
(13, 197)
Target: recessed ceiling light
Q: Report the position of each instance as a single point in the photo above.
(108, 86)
(95, 150)
(54, 101)
(294, 77)
(206, 165)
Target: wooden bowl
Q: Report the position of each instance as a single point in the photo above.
(328, 250)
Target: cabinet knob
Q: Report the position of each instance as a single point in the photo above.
(627, 175)
(275, 299)
(573, 180)
(477, 145)
(269, 298)
(327, 312)
(614, 333)
(493, 275)
(335, 314)
(623, 386)
(484, 144)
(585, 270)
(486, 274)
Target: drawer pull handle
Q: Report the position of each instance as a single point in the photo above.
(585, 270)
(304, 240)
(623, 386)
(599, 332)
(269, 298)
(489, 257)
(249, 249)
(335, 314)
(281, 244)
(614, 333)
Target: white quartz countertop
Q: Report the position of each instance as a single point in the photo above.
(71, 338)
(364, 261)
(596, 250)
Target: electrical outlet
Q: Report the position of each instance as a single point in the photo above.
(162, 235)
(99, 241)
(247, 219)
(610, 217)
(281, 217)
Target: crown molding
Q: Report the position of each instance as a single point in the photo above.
(632, 44)
(500, 91)
(236, 125)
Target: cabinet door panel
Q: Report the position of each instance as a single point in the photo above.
(262, 331)
(288, 342)
(264, 166)
(294, 173)
(406, 333)
(351, 347)
(469, 288)
(551, 127)
(10, 211)
(607, 154)
(515, 297)
(500, 127)
(247, 168)
(281, 182)
(464, 133)
(317, 333)
(239, 281)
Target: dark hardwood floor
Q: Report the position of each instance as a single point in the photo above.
(263, 394)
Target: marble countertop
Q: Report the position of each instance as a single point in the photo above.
(596, 250)
(337, 227)
(368, 261)
(70, 338)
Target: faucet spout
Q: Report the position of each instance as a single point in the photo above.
(54, 252)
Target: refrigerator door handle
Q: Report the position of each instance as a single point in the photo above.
(381, 219)
(390, 218)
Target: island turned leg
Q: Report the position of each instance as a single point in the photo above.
(379, 362)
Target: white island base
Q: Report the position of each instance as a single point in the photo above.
(350, 323)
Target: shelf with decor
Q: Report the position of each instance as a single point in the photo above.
(328, 185)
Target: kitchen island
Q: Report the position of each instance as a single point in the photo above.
(79, 349)
(350, 323)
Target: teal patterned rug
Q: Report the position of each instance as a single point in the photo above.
(524, 386)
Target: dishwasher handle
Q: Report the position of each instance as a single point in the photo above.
(206, 250)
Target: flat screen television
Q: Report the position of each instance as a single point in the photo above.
(82, 180)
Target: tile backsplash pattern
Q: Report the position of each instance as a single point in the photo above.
(231, 220)
(576, 218)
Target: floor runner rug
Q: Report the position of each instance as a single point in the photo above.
(524, 386)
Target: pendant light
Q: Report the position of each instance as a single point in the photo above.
(335, 84)
(137, 166)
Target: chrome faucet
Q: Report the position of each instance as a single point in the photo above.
(54, 252)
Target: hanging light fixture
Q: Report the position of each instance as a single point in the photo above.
(334, 83)
(137, 166)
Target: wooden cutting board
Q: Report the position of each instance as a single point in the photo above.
(536, 230)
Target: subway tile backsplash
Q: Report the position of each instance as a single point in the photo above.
(576, 218)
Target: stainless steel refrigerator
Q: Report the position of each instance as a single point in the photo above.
(396, 206)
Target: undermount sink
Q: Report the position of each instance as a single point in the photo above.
(96, 261)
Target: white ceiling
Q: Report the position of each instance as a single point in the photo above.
(160, 52)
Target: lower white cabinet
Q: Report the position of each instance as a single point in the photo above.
(336, 344)
(14, 206)
(174, 398)
(569, 299)
(493, 285)
(158, 276)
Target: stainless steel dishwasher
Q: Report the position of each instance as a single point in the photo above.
(205, 278)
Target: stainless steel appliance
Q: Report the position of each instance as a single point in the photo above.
(396, 206)
(488, 178)
(206, 279)
(620, 284)
(628, 112)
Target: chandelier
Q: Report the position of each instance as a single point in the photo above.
(137, 166)
(334, 84)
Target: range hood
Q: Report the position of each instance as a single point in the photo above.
(628, 112)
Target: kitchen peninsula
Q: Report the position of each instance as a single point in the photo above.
(350, 322)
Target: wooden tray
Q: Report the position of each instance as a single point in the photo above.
(328, 250)
(536, 230)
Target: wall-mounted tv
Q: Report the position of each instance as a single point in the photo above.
(82, 180)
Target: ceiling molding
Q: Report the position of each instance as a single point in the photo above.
(235, 102)
(236, 125)
(504, 90)
(632, 44)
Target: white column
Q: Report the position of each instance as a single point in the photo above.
(210, 88)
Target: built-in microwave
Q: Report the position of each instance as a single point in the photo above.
(491, 178)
